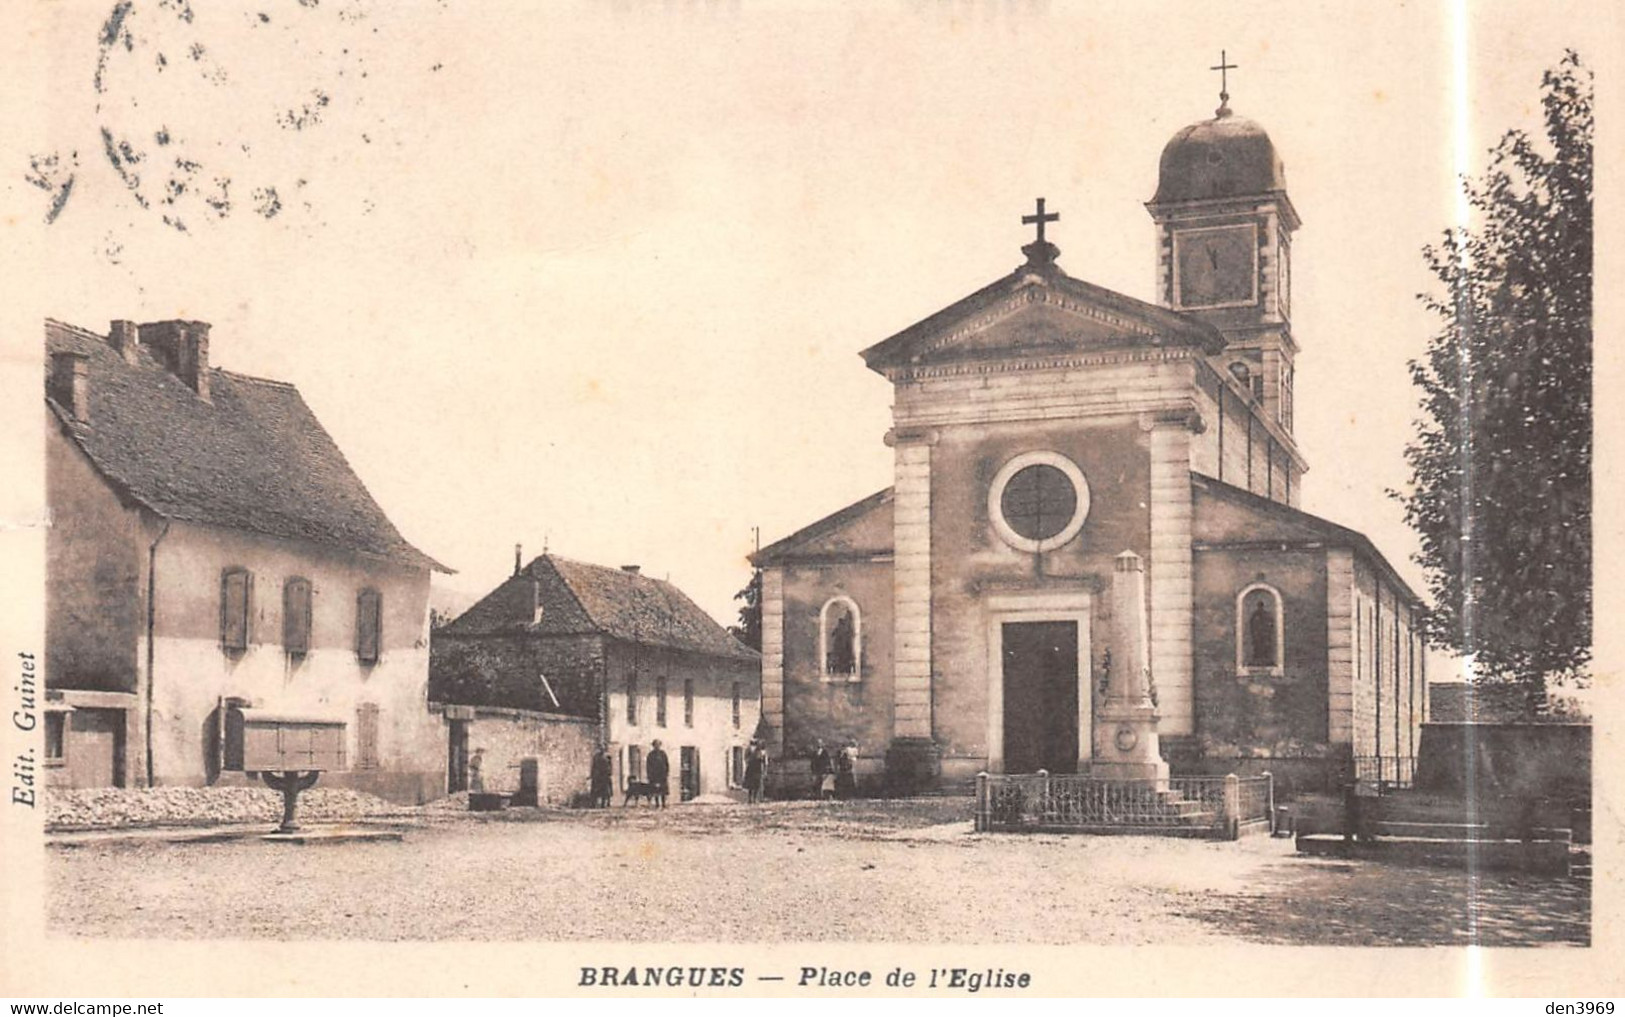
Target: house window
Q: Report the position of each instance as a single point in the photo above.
(688, 702)
(236, 591)
(736, 766)
(660, 701)
(736, 704)
(368, 625)
(55, 723)
(634, 763)
(840, 644)
(1259, 635)
(1242, 373)
(366, 736)
(632, 698)
(1038, 501)
(296, 616)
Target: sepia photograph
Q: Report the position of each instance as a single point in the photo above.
(812, 490)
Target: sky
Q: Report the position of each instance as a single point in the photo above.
(595, 277)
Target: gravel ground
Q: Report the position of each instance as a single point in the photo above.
(114, 808)
(860, 871)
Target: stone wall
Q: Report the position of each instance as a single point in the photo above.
(1254, 713)
(837, 709)
(1521, 760)
(563, 747)
(96, 569)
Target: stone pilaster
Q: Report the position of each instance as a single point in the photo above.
(1171, 585)
(1340, 646)
(911, 570)
(773, 658)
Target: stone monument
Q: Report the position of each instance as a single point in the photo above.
(1126, 718)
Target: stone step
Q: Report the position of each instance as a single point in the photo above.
(1549, 857)
(1467, 831)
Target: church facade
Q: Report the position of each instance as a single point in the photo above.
(960, 620)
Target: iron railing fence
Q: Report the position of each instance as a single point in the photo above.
(1386, 772)
(1204, 806)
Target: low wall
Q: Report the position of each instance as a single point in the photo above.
(1524, 760)
(562, 745)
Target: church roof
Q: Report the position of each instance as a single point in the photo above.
(576, 597)
(1268, 522)
(1225, 157)
(253, 457)
(860, 530)
(1104, 317)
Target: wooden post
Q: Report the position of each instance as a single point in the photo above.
(981, 802)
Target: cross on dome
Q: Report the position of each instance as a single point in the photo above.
(1224, 67)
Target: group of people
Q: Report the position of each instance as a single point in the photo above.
(835, 777)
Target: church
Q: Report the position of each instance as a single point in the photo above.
(960, 620)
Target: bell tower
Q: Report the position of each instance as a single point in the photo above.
(1224, 248)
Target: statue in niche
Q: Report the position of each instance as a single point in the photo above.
(842, 656)
(1261, 633)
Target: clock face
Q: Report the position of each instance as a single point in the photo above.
(1216, 267)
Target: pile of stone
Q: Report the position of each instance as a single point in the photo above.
(98, 808)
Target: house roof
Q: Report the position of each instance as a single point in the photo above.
(1114, 313)
(820, 539)
(577, 597)
(1288, 523)
(253, 457)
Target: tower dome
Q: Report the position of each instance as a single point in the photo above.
(1225, 157)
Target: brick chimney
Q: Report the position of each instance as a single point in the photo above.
(632, 570)
(69, 384)
(124, 338)
(183, 347)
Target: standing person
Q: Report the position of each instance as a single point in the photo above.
(603, 779)
(658, 769)
(476, 778)
(822, 771)
(846, 770)
(755, 771)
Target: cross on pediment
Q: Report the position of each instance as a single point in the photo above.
(1041, 252)
(1039, 218)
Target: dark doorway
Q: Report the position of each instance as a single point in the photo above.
(1040, 697)
(457, 756)
(689, 775)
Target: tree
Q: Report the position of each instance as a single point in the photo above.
(749, 628)
(1501, 463)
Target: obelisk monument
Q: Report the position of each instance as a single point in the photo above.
(1126, 718)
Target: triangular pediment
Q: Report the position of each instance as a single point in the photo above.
(862, 530)
(1037, 313)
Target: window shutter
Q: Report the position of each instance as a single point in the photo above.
(367, 624)
(688, 702)
(366, 729)
(234, 601)
(296, 616)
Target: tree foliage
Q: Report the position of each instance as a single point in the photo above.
(748, 630)
(1501, 462)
